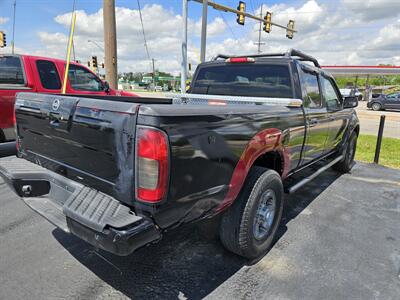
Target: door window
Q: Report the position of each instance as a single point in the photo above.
(81, 79)
(312, 94)
(330, 94)
(48, 75)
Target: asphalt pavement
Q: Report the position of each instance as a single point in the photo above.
(339, 239)
(369, 121)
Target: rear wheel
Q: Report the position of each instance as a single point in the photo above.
(345, 165)
(376, 106)
(248, 227)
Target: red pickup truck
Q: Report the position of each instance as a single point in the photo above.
(27, 73)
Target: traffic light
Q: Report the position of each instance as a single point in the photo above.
(88, 64)
(3, 41)
(267, 22)
(289, 31)
(94, 62)
(242, 8)
(190, 67)
(102, 65)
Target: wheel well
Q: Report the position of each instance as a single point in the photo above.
(357, 130)
(270, 160)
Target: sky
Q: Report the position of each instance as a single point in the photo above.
(336, 32)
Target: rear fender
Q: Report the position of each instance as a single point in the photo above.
(263, 142)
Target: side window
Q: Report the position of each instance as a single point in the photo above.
(311, 87)
(48, 75)
(331, 97)
(81, 79)
(11, 70)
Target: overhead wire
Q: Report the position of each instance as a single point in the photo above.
(144, 34)
(229, 26)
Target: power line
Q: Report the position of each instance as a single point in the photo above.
(144, 35)
(229, 26)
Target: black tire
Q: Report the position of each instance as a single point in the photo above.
(376, 106)
(237, 228)
(349, 151)
(2, 136)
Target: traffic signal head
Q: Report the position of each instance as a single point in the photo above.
(242, 8)
(289, 31)
(3, 41)
(94, 61)
(267, 22)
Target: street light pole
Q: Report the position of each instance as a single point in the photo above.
(184, 46)
(13, 30)
(110, 43)
(204, 31)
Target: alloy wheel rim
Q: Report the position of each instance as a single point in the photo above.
(265, 215)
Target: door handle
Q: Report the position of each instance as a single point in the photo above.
(313, 122)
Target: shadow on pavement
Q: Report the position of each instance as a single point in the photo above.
(185, 263)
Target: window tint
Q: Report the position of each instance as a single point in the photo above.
(392, 96)
(253, 80)
(83, 80)
(48, 75)
(310, 85)
(11, 70)
(331, 97)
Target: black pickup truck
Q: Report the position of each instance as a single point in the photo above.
(118, 172)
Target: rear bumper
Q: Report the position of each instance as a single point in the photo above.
(87, 213)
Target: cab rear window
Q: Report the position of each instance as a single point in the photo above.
(11, 70)
(253, 80)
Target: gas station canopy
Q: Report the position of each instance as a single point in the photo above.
(362, 71)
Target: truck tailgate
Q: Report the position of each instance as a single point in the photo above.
(87, 140)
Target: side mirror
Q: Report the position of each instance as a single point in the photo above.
(350, 102)
(106, 86)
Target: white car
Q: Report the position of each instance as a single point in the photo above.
(346, 92)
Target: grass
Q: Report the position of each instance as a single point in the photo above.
(390, 150)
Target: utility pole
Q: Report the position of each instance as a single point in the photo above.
(110, 43)
(154, 75)
(13, 31)
(204, 31)
(184, 45)
(259, 43)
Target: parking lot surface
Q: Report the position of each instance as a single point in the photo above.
(369, 121)
(339, 239)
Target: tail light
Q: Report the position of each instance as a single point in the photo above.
(14, 117)
(151, 164)
(239, 60)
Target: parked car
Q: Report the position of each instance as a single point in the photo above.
(27, 73)
(119, 173)
(390, 101)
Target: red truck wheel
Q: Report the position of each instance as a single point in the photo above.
(248, 227)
